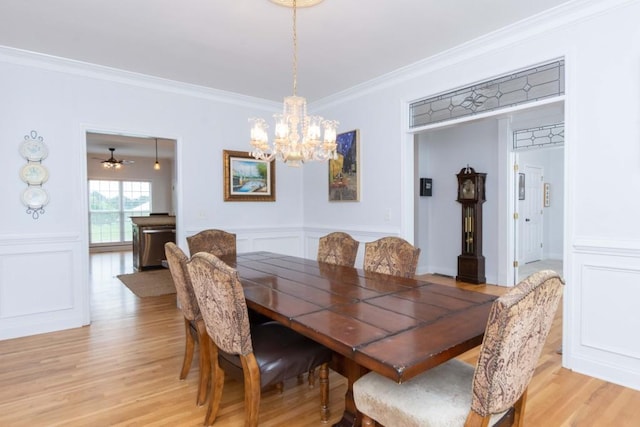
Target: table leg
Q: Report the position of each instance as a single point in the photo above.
(352, 371)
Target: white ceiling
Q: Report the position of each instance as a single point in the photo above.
(245, 46)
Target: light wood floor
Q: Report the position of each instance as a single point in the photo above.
(123, 371)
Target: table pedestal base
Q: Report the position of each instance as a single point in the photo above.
(352, 371)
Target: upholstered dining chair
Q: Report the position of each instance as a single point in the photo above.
(456, 394)
(263, 355)
(391, 255)
(216, 242)
(338, 248)
(194, 327)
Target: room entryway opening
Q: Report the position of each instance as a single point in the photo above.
(474, 126)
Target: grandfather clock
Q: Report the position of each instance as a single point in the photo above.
(471, 197)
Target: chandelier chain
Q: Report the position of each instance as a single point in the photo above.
(295, 51)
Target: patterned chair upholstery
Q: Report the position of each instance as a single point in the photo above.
(338, 248)
(263, 355)
(456, 394)
(391, 255)
(194, 327)
(216, 242)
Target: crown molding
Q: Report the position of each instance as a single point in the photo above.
(100, 72)
(563, 15)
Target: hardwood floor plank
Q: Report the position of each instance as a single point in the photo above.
(123, 371)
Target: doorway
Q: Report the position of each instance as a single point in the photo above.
(539, 238)
(487, 145)
(129, 176)
(530, 213)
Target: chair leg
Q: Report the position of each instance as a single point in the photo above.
(368, 422)
(312, 378)
(217, 383)
(189, 345)
(476, 420)
(324, 392)
(518, 420)
(251, 373)
(205, 362)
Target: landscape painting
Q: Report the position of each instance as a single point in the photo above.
(247, 179)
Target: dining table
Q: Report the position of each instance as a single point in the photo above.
(396, 326)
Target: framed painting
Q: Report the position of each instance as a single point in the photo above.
(344, 172)
(247, 179)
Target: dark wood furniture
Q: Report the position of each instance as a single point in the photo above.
(471, 195)
(395, 326)
(260, 355)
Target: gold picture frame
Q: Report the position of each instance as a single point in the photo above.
(344, 172)
(247, 179)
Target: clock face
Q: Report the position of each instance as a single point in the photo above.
(468, 189)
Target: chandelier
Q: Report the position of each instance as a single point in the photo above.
(298, 137)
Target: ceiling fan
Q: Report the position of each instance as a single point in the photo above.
(113, 163)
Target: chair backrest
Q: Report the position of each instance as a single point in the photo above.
(222, 304)
(178, 266)
(216, 242)
(338, 248)
(518, 325)
(391, 255)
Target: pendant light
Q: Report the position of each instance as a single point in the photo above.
(157, 165)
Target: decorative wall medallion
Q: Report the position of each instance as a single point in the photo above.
(34, 197)
(34, 173)
(34, 150)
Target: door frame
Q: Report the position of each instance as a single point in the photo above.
(507, 272)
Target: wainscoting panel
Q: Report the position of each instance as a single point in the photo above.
(25, 283)
(618, 289)
(288, 245)
(41, 285)
(284, 240)
(602, 320)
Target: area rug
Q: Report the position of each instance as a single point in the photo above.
(149, 283)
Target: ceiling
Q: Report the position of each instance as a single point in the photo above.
(98, 145)
(245, 46)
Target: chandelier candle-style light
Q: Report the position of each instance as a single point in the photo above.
(298, 138)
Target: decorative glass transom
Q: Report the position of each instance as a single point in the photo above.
(533, 84)
(538, 137)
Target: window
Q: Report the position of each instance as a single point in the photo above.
(111, 203)
(533, 84)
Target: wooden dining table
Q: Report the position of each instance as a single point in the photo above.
(398, 327)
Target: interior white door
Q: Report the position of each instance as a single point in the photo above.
(530, 201)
